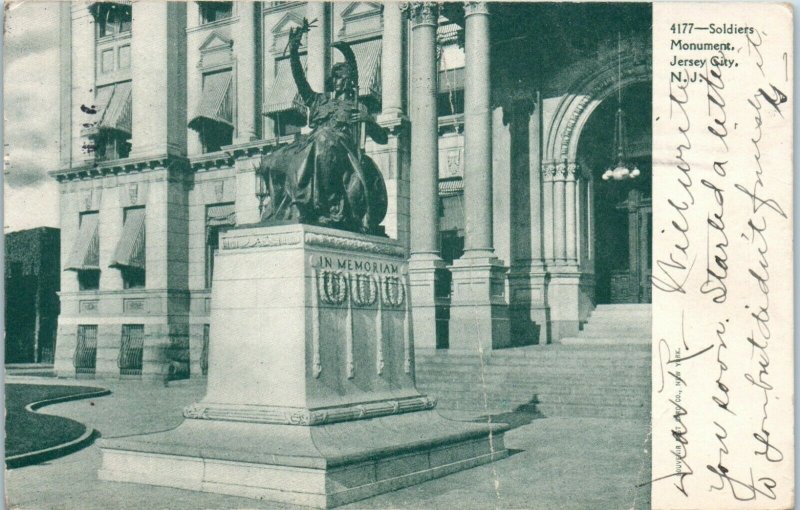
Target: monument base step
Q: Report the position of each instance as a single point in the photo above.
(320, 466)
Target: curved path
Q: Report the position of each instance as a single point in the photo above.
(32, 437)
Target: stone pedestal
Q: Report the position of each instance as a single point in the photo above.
(311, 396)
(478, 310)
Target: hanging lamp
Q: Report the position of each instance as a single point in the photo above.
(622, 168)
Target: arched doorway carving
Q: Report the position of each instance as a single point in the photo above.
(572, 143)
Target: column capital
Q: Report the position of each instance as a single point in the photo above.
(549, 170)
(476, 7)
(573, 171)
(421, 13)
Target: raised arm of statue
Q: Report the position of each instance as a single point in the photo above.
(295, 38)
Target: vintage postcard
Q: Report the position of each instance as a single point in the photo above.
(423, 255)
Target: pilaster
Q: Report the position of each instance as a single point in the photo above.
(246, 77)
(158, 63)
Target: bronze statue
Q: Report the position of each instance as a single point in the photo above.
(324, 178)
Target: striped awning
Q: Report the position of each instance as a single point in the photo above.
(451, 80)
(85, 253)
(114, 110)
(221, 214)
(284, 95)
(215, 103)
(447, 32)
(118, 113)
(130, 251)
(368, 59)
(451, 186)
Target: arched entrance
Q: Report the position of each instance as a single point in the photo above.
(622, 209)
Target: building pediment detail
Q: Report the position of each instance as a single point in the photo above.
(361, 19)
(281, 29)
(216, 50)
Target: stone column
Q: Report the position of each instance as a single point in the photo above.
(318, 45)
(570, 204)
(246, 79)
(559, 214)
(425, 259)
(392, 158)
(478, 313)
(548, 175)
(392, 61)
(477, 132)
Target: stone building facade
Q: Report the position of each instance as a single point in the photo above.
(501, 121)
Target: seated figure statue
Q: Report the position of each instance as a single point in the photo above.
(324, 178)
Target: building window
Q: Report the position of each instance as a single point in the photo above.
(288, 123)
(110, 145)
(89, 279)
(130, 351)
(130, 254)
(85, 358)
(452, 243)
(215, 11)
(214, 137)
(213, 119)
(112, 19)
(133, 278)
(84, 258)
(451, 220)
(219, 218)
(450, 103)
(111, 130)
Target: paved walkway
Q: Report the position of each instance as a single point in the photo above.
(556, 463)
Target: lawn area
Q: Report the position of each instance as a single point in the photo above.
(28, 432)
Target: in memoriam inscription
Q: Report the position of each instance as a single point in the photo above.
(348, 264)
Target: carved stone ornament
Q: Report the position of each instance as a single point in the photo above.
(474, 7)
(262, 241)
(307, 417)
(332, 287)
(549, 170)
(133, 193)
(421, 13)
(363, 289)
(393, 293)
(346, 243)
(573, 170)
(87, 199)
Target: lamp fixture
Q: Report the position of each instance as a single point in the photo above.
(622, 168)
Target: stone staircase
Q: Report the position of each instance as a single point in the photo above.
(604, 372)
(616, 324)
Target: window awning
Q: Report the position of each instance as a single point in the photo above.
(368, 59)
(94, 7)
(451, 80)
(215, 104)
(85, 254)
(113, 104)
(222, 214)
(284, 95)
(451, 186)
(130, 251)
